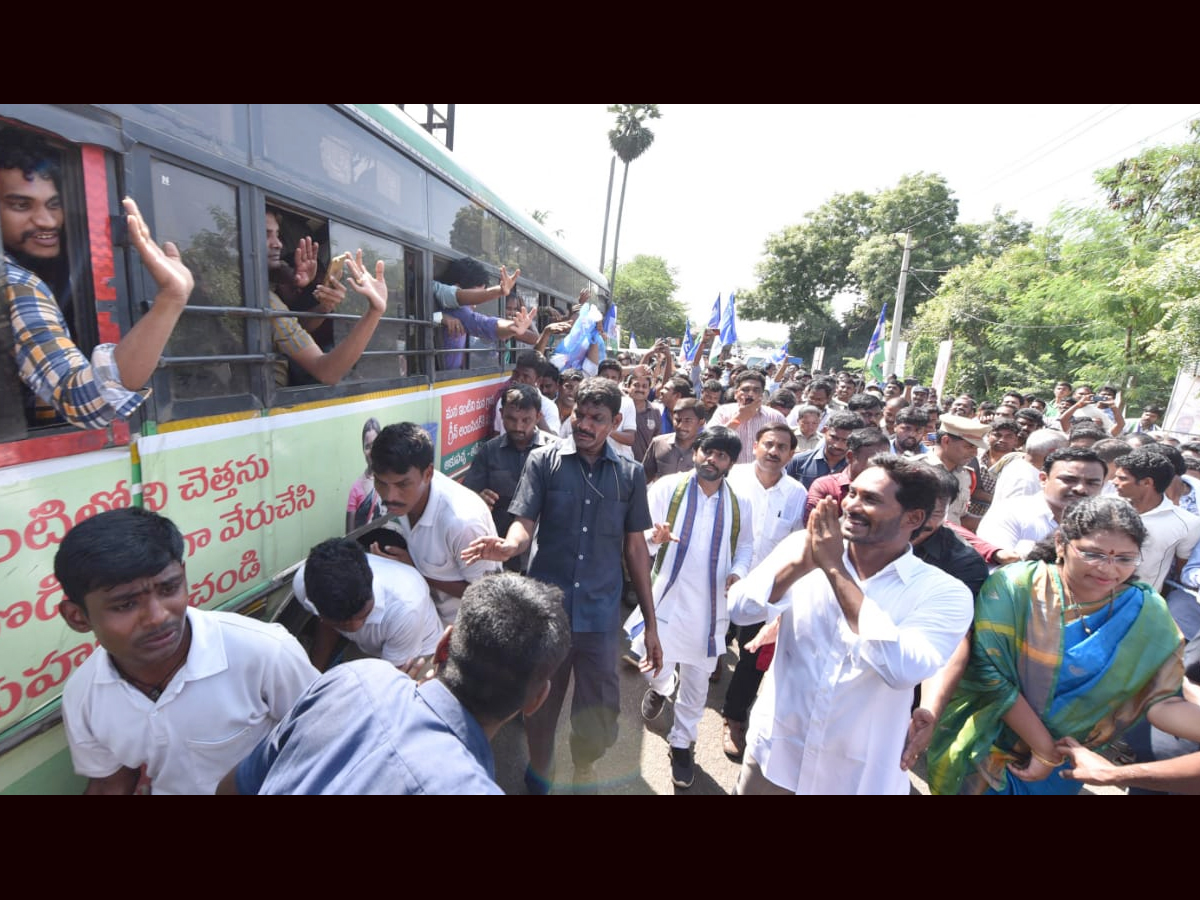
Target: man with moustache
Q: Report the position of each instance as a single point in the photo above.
(746, 415)
(497, 465)
(703, 535)
(1068, 475)
(589, 506)
(437, 516)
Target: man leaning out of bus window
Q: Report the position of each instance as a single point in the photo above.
(174, 693)
(293, 341)
(56, 378)
(463, 285)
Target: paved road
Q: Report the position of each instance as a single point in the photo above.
(639, 763)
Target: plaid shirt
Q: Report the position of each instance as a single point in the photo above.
(88, 394)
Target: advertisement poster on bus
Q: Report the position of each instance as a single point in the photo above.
(37, 649)
(466, 422)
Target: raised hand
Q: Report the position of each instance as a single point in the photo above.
(507, 281)
(165, 265)
(305, 262)
(374, 289)
(522, 320)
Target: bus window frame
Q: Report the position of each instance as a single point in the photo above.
(81, 183)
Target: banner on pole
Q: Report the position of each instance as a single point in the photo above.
(943, 365)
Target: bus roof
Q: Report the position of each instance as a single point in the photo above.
(438, 159)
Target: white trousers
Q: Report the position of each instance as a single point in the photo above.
(692, 682)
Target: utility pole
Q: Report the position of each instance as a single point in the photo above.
(612, 168)
(893, 347)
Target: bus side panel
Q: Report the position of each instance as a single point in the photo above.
(251, 496)
(39, 502)
(41, 765)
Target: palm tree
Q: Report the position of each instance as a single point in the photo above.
(629, 139)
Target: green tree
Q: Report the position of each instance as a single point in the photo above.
(1157, 192)
(852, 245)
(1172, 281)
(629, 138)
(1053, 307)
(646, 301)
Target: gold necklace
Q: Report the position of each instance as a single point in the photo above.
(1073, 605)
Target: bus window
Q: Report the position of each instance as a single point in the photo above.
(379, 361)
(65, 269)
(200, 215)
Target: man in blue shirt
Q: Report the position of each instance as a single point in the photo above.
(366, 727)
(830, 455)
(589, 505)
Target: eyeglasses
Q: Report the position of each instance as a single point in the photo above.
(1092, 558)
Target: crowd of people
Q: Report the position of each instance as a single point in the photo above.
(1007, 586)
(1008, 590)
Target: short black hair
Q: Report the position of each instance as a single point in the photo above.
(864, 401)
(114, 547)
(338, 579)
(865, 437)
(521, 396)
(843, 421)
(1145, 462)
(782, 429)
(599, 392)
(916, 485)
(719, 437)
(24, 150)
(1073, 454)
(511, 634)
(465, 272)
(401, 447)
(751, 375)
(913, 415)
(609, 363)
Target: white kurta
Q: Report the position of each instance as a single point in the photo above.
(778, 510)
(834, 706)
(684, 613)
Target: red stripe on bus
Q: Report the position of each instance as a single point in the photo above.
(56, 445)
(95, 186)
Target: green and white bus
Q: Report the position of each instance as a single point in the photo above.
(253, 472)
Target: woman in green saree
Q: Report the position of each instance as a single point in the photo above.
(1062, 647)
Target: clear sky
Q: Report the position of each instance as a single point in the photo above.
(719, 178)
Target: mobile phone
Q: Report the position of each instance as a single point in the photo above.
(930, 437)
(384, 537)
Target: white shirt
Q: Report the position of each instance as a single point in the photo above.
(240, 678)
(685, 613)
(1170, 532)
(402, 625)
(1019, 523)
(778, 510)
(1018, 478)
(834, 707)
(453, 517)
(628, 424)
(549, 413)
